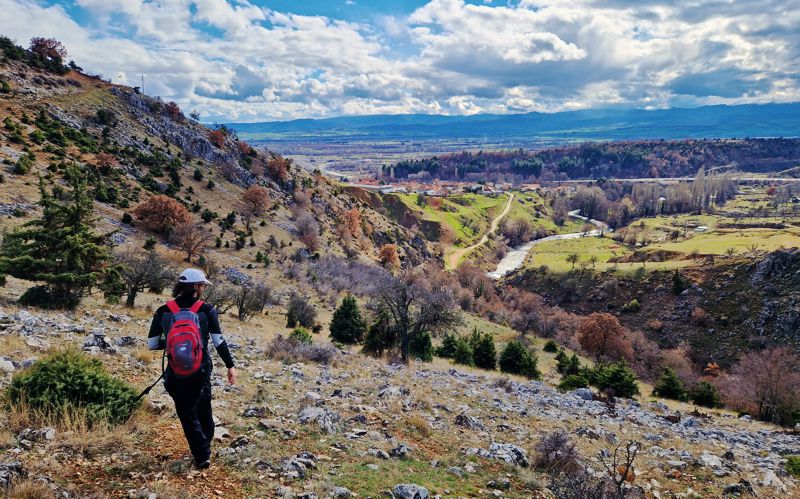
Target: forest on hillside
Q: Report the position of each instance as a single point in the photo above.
(636, 159)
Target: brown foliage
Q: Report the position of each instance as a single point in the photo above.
(602, 336)
(162, 213)
(257, 167)
(256, 199)
(48, 48)
(192, 238)
(435, 203)
(646, 356)
(217, 137)
(105, 161)
(766, 385)
(352, 220)
(243, 148)
(278, 168)
(388, 256)
(174, 112)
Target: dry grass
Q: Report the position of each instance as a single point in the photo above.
(29, 489)
(145, 355)
(418, 425)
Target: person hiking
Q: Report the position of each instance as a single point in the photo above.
(187, 377)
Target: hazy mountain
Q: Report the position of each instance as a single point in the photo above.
(767, 120)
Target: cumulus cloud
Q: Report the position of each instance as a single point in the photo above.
(234, 60)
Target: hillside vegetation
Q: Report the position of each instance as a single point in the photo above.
(596, 160)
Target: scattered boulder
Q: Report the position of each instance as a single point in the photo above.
(400, 452)
(325, 418)
(583, 393)
(380, 454)
(741, 489)
(389, 392)
(410, 491)
(8, 472)
(126, 341)
(6, 365)
(509, 453)
(40, 435)
(341, 493)
(299, 466)
(469, 422)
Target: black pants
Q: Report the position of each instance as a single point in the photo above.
(192, 398)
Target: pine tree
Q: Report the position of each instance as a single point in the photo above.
(516, 359)
(483, 351)
(617, 377)
(380, 336)
(347, 325)
(561, 361)
(60, 249)
(669, 386)
(705, 394)
(463, 353)
(448, 346)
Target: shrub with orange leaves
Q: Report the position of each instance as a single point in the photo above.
(602, 336)
(256, 199)
(217, 137)
(162, 213)
(388, 256)
(352, 220)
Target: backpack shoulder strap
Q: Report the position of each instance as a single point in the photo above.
(173, 307)
(196, 306)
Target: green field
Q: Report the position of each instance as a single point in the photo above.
(468, 215)
(677, 234)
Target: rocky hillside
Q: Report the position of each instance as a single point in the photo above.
(722, 309)
(356, 427)
(132, 146)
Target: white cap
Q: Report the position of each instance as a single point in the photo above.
(193, 276)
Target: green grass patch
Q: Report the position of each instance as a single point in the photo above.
(366, 482)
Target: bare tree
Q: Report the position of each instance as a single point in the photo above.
(221, 296)
(142, 271)
(414, 307)
(191, 238)
(251, 300)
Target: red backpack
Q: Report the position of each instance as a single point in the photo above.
(184, 344)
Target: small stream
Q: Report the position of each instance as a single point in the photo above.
(516, 256)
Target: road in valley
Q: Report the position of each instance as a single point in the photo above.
(455, 257)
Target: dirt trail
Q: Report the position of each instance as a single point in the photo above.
(455, 257)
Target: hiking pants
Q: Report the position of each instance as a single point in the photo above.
(193, 404)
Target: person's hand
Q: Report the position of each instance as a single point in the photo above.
(232, 375)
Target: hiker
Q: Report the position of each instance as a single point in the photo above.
(187, 377)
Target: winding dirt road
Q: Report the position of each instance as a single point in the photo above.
(453, 259)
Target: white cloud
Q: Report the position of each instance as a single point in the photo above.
(234, 60)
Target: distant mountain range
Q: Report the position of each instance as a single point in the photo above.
(763, 120)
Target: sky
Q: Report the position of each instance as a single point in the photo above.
(247, 61)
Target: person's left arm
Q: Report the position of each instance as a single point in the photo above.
(220, 344)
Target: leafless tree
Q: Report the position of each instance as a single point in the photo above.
(251, 300)
(221, 296)
(415, 306)
(192, 238)
(142, 271)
